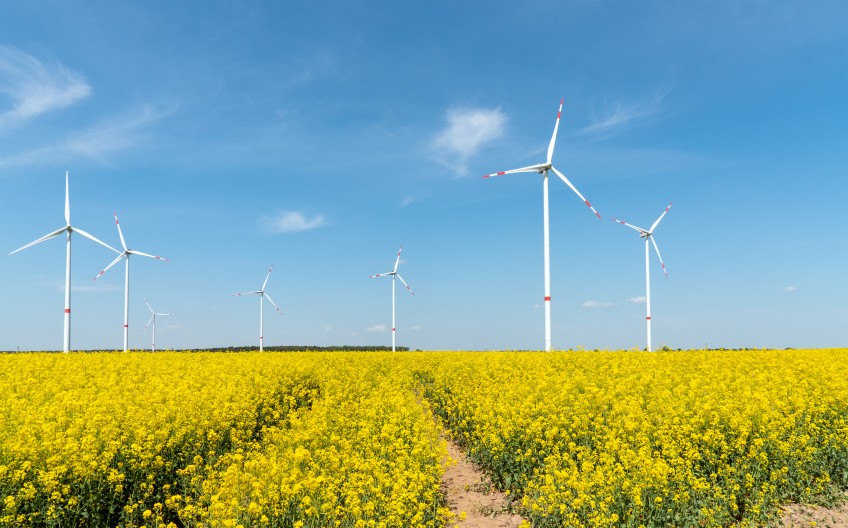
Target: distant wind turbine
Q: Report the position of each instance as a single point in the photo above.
(648, 234)
(394, 274)
(153, 316)
(125, 255)
(262, 295)
(68, 230)
(543, 168)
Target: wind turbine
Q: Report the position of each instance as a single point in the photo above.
(262, 295)
(393, 274)
(68, 230)
(543, 168)
(648, 234)
(126, 255)
(153, 316)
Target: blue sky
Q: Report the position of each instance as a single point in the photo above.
(321, 136)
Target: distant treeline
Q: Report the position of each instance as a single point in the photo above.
(344, 348)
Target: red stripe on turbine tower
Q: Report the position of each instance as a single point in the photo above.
(126, 326)
(67, 310)
(648, 318)
(547, 297)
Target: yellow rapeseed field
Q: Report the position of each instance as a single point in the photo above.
(694, 438)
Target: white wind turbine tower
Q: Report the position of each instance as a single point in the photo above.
(543, 168)
(394, 274)
(153, 316)
(126, 255)
(68, 230)
(262, 295)
(648, 234)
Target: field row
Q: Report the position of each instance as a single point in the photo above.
(350, 440)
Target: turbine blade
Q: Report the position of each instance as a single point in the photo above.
(120, 234)
(397, 261)
(104, 270)
(266, 278)
(405, 284)
(270, 300)
(573, 188)
(163, 314)
(67, 201)
(40, 240)
(553, 137)
(133, 252)
(630, 226)
(152, 317)
(249, 293)
(531, 168)
(657, 249)
(386, 274)
(148, 306)
(90, 237)
(660, 218)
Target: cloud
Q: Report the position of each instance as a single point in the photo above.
(328, 328)
(467, 131)
(636, 300)
(378, 328)
(34, 88)
(620, 115)
(96, 142)
(292, 222)
(790, 288)
(409, 200)
(596, 304)
(415, 327)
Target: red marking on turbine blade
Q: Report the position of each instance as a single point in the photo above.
(547, 297)
(559, 114)
(599, 216)
(561, 100)
(67, 310)
(501, 173)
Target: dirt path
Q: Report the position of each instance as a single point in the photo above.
(797, 515)
(468, 490)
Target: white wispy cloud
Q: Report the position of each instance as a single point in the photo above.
(790, 288)
(619, 115)
(33, 88)
(467, 131)
(292, 222)
(415, 327)
(95, 143)
(377, 328)
(596, 304)
(637, 300)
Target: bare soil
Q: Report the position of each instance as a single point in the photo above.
(468, 490)
(797, 515)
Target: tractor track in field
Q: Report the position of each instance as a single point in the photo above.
(467, 489)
